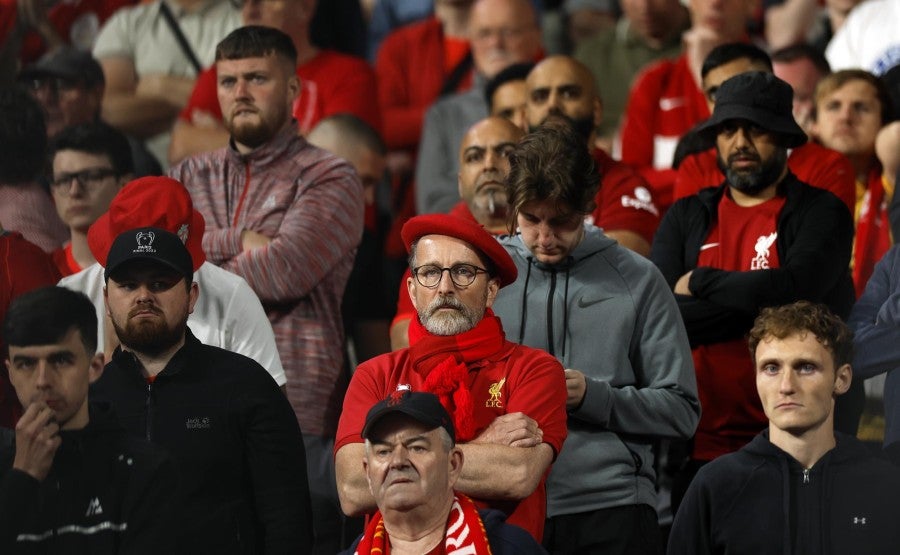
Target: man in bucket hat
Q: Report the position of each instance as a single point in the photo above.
(507, 401)
(412, 464)
(232, 433)
(228, 314)
(761, 238)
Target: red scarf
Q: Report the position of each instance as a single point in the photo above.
(443, 361)
(873, 235)
(464, 533)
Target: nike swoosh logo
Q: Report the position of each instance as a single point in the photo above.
(584, 303)
(708, 246)
(666, 104)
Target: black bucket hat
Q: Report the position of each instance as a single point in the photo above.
(760, 98)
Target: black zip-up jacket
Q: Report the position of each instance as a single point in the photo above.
(760, 500)
(235, 440)
(106, 492)
(814, 244)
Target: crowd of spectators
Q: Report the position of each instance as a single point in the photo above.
(616, 189)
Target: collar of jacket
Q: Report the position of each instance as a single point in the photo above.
(180, 360)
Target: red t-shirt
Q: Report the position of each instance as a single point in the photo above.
(624, 200)
(665, 102)
(742, 240)
(23, 267)
(534, 384)
(812, 163)
(331, 83)
(64, 261)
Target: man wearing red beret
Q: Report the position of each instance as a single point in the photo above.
(507, 401)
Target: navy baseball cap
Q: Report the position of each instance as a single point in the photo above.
(422, 407)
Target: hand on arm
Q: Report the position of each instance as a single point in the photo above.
(37, 439)
(514, 430)
(129, 110)
(576, 387)
(253, 240)
(682, 286)
(353, 488)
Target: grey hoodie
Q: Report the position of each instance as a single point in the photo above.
(607, 312)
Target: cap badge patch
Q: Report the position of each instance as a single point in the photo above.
(183, 232)
(145, 241)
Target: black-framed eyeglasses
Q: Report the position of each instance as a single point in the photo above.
(462, 275)
(88, 180)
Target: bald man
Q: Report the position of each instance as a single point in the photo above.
(563, 87)
(501, 33)
(483, 167)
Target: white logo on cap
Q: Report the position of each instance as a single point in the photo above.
(145, 241)
(183, 232)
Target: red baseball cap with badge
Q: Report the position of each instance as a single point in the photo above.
(471, 232)
(158, 202)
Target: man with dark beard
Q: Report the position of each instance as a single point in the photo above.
(507, 400)
(563, 87)
(288, 218)
(220, 415)
(761, 238)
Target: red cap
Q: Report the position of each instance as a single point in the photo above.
(471, 232)
(154, 201)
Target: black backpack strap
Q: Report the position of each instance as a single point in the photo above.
(457, 74)
(179, 36)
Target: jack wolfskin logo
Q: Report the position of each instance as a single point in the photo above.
(94, 507)
(200, 423)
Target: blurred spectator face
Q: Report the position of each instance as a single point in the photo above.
(290, 16)
(802, 75)
(723, 73)
(585, 23)
(65, 101)
(562, 86)
(509, 102)
(256, 96)
(848, 118)
(502, 33)
(484, 166)
(83, 187)
(651, 19)
(727, 19)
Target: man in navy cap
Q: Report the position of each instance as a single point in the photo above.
(220, 415)
(412, 464)
(761, 238)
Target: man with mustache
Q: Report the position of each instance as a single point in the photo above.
(561, 86)
(507, 401)
(412, 464)
(761, 238)
(483, 167)
(287, 217)
(221, 416)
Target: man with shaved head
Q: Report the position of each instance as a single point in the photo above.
(483, 167)
(563, 87)
(501, 33)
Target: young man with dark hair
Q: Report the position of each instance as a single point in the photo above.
(506, 92)
(630, 383)
(219, 414)
(287, 217)
(74, 481)
(90, 163)
(798, 487)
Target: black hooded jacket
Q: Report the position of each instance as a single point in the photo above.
(761, 500)
(106, 493)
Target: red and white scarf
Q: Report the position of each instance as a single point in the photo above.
(464, 533)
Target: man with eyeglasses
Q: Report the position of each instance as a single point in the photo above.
(90, 162)
(69, 85)
(507, 401)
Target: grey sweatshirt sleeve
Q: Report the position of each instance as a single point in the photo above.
(436, 186)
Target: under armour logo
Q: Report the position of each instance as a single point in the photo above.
(860, 520)
(94, 507)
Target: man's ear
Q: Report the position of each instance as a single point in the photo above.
(598, 112)
(843, 376)
(96, 368)
(493, 287)
(193, 294)
(456, 462)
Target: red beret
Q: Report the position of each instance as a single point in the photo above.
(155, 201)
(471, 232)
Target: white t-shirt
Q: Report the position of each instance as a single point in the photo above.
(228, 314)
(869, 39)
